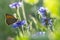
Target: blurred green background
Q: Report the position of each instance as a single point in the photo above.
(52, 5)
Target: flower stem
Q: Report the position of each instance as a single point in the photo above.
(24, 16)
(23, 12)
(18, 14)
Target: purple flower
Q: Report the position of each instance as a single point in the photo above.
(16, 4)
(42, 11)
(19, 23)
(45, 17)
(46, 21)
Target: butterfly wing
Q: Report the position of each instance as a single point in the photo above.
(10, 19)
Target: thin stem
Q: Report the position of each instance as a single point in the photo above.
(18, 14)
(23, 12)
(24, 16)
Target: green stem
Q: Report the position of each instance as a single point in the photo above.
(19, 18)
(18, 14)
(24, 16)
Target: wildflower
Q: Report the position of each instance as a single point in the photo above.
(19, 23)
(44, 21)
(47, 21)
(32, 2)
(42, 11)
(16, 4)
(45, 17)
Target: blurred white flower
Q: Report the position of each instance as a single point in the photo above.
(39, 34)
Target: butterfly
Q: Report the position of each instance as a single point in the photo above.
(10, 19)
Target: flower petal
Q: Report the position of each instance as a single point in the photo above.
(19, 23)
(16, 4)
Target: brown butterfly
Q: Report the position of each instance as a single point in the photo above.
(10, 19)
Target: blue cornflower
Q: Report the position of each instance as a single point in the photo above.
(45, 17)
(42, 11)
(46, 21)
(19, 23)
(15, 5)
